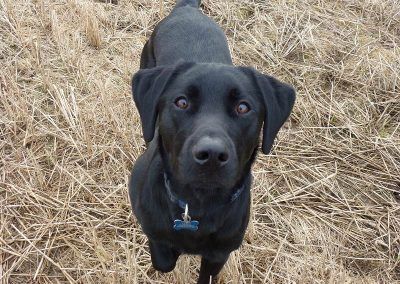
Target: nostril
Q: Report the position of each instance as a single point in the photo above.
(202, 155)
(210, 151)
(223, 157)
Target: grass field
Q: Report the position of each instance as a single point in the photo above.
(325, 202)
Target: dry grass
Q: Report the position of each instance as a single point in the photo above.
(326, 202)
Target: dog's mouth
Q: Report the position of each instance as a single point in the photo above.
(214, 184)
(206, 179)
(199, 194)
(208, 164)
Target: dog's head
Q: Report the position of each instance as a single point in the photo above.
(209, 118)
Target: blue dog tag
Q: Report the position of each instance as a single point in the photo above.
(186, 225)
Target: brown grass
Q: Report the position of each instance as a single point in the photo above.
(326, 205)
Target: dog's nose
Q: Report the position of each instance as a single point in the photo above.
(210, 150)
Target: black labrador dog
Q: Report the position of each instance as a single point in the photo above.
(201, 118)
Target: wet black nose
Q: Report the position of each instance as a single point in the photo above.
(210, 150)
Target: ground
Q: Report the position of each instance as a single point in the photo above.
(325, 202)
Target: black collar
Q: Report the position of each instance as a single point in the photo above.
(182, 204)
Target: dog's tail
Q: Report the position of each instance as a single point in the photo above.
(192, 3)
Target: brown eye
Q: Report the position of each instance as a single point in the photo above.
(242, 108)
(182, 103)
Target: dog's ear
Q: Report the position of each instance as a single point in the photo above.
(147, 87)
(278, 99)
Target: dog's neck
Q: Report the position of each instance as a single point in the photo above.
(205, 200)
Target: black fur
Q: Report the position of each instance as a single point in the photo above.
(187, 56)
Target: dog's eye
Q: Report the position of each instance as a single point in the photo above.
(182, 103)
(242, 108)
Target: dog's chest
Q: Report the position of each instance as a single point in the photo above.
(211, 232)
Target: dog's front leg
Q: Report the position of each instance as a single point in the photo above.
(163, 257)
(210, 268)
